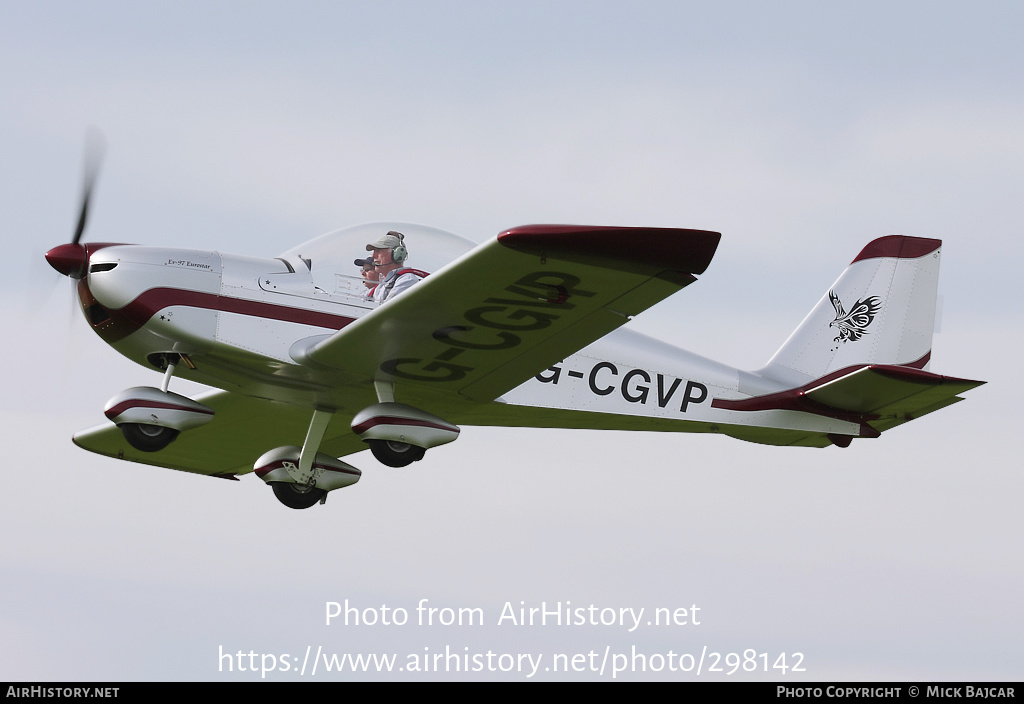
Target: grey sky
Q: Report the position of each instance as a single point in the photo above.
(799, 130)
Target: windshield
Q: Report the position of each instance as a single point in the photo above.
(330, 258)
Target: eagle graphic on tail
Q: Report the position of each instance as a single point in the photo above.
(853, 325)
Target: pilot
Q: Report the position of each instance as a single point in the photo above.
(370, 275)
(389, 253)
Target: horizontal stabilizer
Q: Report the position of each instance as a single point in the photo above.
(880, 395)
(888, 390)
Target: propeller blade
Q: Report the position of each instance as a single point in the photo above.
(95, 146)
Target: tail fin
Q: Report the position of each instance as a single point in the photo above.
(881, 310)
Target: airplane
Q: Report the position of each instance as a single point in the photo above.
(526, 329)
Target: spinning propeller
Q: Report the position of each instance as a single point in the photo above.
(72, 259)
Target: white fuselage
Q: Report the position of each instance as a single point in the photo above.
(240, 318)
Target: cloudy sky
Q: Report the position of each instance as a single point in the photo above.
(800, 130)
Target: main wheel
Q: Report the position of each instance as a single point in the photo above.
(297, 495)
(395, 454)
(147, 438)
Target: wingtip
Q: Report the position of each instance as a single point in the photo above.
(634, 248)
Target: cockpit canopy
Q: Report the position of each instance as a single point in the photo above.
(330, 258)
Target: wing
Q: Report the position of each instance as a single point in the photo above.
(514, 306)
(242, 428)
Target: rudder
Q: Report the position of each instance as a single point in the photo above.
(881, 310)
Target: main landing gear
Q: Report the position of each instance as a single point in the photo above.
(399, 435)
(298, 495)
(301, 476)
(395, 454)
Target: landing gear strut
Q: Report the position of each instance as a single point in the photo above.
(301, 476)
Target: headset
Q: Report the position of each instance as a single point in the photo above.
(399, 254)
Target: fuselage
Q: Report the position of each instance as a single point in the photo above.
(236, 321)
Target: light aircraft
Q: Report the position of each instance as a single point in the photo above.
(523, 330)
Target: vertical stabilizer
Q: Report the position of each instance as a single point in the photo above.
(881, 310)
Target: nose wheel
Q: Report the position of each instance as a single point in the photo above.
(151, 418)
(147, 438)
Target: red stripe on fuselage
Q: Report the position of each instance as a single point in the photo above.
(154, 300)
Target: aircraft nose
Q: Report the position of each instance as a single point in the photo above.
(69, 259)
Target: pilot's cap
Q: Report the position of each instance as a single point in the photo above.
(389, 241)
(365, 263)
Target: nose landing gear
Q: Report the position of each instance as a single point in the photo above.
(147, 438)
(150, 418)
